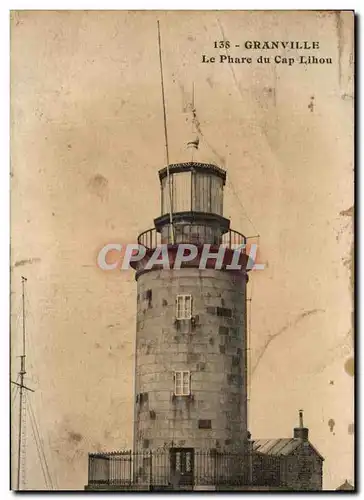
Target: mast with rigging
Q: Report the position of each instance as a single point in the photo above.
(22, 397)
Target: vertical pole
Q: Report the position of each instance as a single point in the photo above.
(300, 413)
(20, 435)
(165, 134)
(215, 468)
(23, 280)
(130, 467)
(150, 469)
(21, 373)
(90, 478)
(162, 204)
(250, 471)
(193, 118)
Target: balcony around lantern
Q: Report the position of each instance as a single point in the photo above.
(195, 234)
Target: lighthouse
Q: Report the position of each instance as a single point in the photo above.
(190, 426)
(190, 429)
(191, 331)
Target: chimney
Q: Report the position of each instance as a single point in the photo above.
(300, 432)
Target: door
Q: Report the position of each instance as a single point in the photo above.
(182, 466)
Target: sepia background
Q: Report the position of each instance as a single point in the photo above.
(86, 144)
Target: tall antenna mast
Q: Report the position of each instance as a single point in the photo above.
(193, 144)
(165, 135)
(22, 372)
(23, 414)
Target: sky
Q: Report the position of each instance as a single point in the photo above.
(86, 145)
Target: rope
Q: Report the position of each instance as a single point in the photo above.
(51, 467)
(40, 448)
(39, 454)
(230, 184)
(16, 391)
(22, 445)
(14, 387)
(248, 349)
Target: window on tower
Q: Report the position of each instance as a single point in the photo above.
(182, 383)
(184, 307)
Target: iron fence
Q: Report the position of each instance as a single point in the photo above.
(171, 469)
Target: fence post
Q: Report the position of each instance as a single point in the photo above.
(90, 478)
(150, 469)
(130, 468)
(215, 468)
(250, 451)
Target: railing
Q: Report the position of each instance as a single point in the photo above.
(160, 469)
(150, 238)
(232, 238)
(197, 234)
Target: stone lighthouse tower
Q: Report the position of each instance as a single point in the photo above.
(191, 341)
(190, 407)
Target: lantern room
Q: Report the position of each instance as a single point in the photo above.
(192, 195)
(192, 187)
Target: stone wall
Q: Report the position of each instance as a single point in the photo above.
(212, 346)
(303, 469)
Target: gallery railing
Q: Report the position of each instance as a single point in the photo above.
(193, 234)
